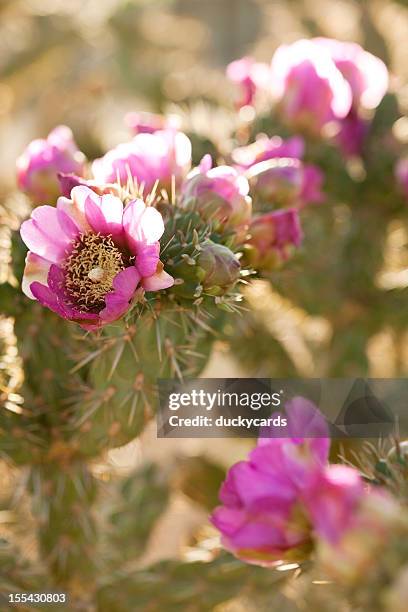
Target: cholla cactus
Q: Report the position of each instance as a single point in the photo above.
(135, 262)
(128, 275)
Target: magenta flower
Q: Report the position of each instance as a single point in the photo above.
(149, 123)
(310, 90)
(89, 255)
(43, 159)
(265, 148)
(164, 157)
(332, 500)
(368, 78)
(353, 542)
(401, 174)
(352, 134)
(312, 186)
(285, 181)
(220, 194)
(263, 518)
(250, 76)
(272, 237)
(366, 74)
(278, 182)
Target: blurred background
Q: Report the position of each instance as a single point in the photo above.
(86, 63)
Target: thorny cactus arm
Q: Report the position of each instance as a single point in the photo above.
(87, 392)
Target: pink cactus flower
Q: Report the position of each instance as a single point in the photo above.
(263, 518)
(220, 194)
(272, 238)
(366, 74)
(368, 78)
(277, 182)
(164, 156)
(250, 76)
(353, 548)
(43, 159)
(332, 500)
(401, 174)
(309, 88)
(89, 255)
(312, 186)
(352, 134)
(286, 181)
(149, 123)
(265, 148)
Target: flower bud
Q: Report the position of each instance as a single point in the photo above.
(219, 194)
(43, 159)
(218, 268)
(277, 182)
(272, 236)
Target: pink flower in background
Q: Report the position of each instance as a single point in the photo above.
(89, 255)
(148, 123)
(263, 518)
(146, 159)
(43, 159)
(333, 499)
(352, 134)
(353, 542)
(312, 185)
(272, 237)
(219, 194)
(277, 182)
(265, 148)
(368, 78)
(366, 74)
(401, 174)
(286, 181)
(250, 76)
(310, 90)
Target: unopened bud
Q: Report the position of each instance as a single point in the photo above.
(218, 268)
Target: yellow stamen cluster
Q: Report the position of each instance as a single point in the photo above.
(90, 268)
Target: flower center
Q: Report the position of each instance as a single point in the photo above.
(90, 268)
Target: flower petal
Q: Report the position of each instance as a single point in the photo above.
(104, 213)
(148, 258)
(142, 224)
(71, 228)
(45, 233)
(74, 209)
(160, 280)
(117, 301)
(54, 297)
(47, 298)
(36, 269)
